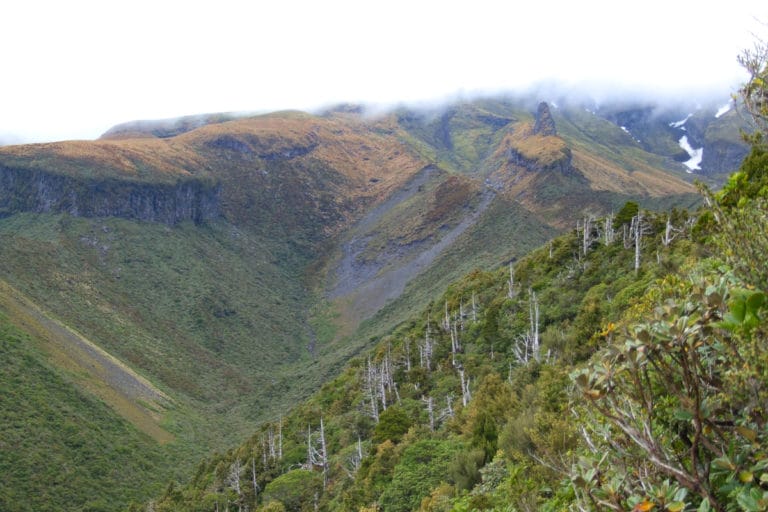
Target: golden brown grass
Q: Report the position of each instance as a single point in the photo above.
(645, 179)
(543, 149)
(84, 363)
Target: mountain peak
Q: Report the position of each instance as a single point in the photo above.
(545, 124)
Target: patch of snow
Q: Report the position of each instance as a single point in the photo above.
(693, 164)
(554, 105)
(679, 124)
(725, 108)
(624, 128)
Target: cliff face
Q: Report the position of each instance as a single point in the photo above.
(24, 190)
(561, 162)
(545, 123)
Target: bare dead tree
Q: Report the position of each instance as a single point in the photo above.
(408, 354)
(510, 283)
(264, 460)
(609, 234)
(670, 233)
(254, 482)
(431, 411)
(637, 230)
(318, 457)
(311, 461)
(271, 443)
(466, 396)
(527, 346)
(533, 306)
(233, 481)
(370, 383)
(428, 347)
(448, 411)
(754, 92)
(381, 380)
(324, 453)
(354, 461)
(455, 345)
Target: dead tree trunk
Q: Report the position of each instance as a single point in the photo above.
(637, 221)
(608, 232)
(511, 282)
(430, 411)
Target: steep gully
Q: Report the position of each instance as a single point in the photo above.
(365, 287)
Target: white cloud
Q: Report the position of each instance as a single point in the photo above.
(72, 69)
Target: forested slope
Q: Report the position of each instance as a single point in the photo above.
(461, 403)
(622, 366)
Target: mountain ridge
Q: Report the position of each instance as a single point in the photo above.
(227, 297)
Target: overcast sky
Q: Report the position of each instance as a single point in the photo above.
(73, 68)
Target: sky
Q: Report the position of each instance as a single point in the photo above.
(72, 69)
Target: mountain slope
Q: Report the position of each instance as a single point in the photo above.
(410, 423)
(236, 264)
(63, 448)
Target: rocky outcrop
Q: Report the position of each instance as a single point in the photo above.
(723, 157)
(562, 165)
(263, 149)
(23, 190)
(545, 123)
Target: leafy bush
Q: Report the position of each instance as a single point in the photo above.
(676, 412)
(297, 490)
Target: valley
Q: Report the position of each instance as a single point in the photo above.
(204, 276)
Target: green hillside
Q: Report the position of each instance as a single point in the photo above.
(202, 277)
(620, 367)
(63, 448)
(471, 333)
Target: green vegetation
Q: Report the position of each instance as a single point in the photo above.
(516, 408)
(181, 305)
(622, 366)
(64, 449)
(223, 319)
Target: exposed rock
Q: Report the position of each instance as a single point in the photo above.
(562, 165)
(545, 124)
(264, 149)
(722, 157)
(43, 192)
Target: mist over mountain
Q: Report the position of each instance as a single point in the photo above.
(195, 277)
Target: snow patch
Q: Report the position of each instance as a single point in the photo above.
(725, 108)
(694, 163)
(624, 128)
(679, 124)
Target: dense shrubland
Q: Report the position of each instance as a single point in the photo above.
(622, 366)
(469, 404)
